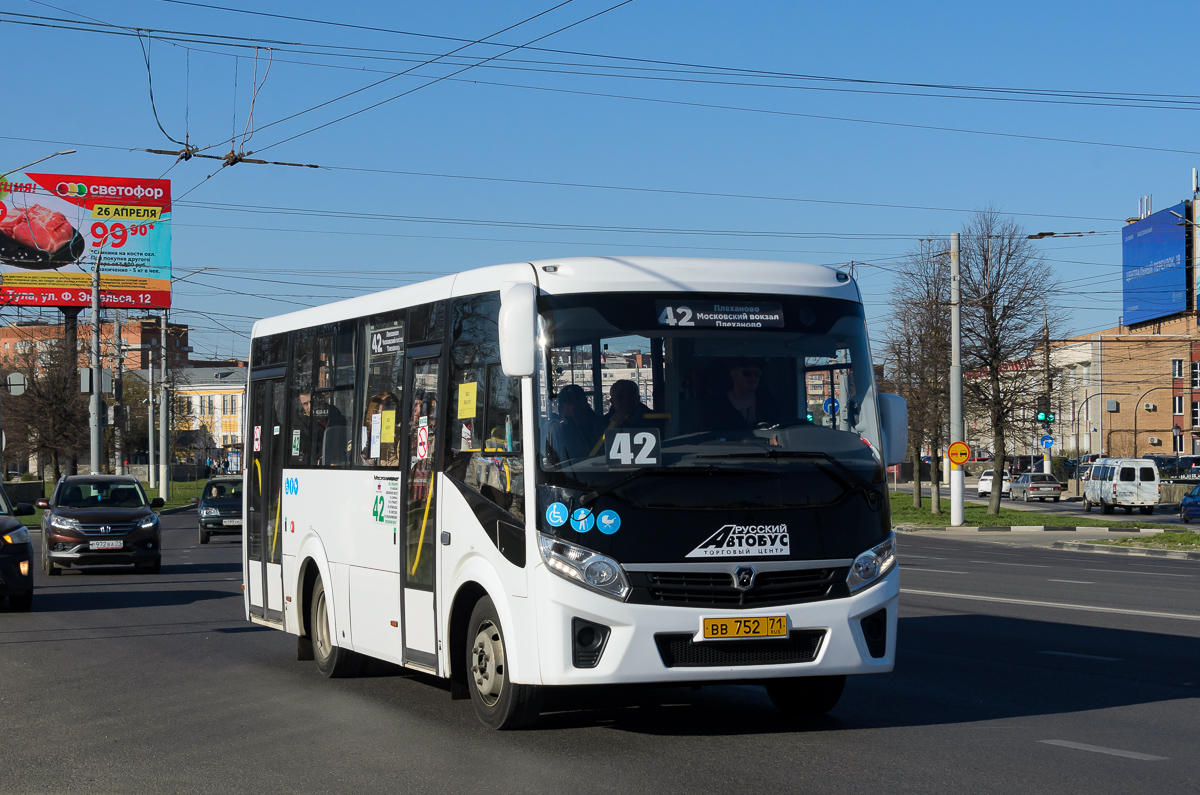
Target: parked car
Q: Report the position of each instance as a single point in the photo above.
(1123, 483)
(1167, 464)
(100, 520)
(16, 555)
(1036, 485)
(220, 508)
(984, 487)
(1189, 466)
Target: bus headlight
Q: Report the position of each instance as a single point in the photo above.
(592, 570)
(871, 565)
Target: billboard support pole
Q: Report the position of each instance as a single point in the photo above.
(164, 425)
(94, 403)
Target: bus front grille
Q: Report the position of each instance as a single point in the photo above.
(678, 650)
(716, 588)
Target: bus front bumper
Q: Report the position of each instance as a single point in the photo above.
(655, 643)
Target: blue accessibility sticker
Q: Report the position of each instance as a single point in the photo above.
(556, 514)
(608, 522)
(582, 520)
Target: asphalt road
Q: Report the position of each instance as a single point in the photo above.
(1020, 670)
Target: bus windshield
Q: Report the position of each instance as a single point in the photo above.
(634, 386)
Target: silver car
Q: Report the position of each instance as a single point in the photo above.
(1036, 485)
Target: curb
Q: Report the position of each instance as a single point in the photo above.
(1174, 554)
(176, 509)
(1034, 528)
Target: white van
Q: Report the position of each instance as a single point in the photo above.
(1124, 483)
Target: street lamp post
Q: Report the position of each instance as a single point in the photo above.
(35, 162)
(1135, 414)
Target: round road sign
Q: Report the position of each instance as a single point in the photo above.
(959, 452)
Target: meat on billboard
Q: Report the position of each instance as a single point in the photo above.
(54, 227)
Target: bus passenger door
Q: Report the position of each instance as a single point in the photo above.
(420, 526)
(264, 473)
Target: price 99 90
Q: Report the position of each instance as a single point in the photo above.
(102, 233)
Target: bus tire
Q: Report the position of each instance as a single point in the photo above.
(332, 660)
(806, 696)
(499, 702)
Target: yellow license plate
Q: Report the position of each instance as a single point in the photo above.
(756, 627)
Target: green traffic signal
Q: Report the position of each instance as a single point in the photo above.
(810, 416)
(1050, 416)
(1041, 416)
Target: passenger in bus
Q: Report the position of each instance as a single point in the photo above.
(746, 404)
(626, 407)
(575, 431)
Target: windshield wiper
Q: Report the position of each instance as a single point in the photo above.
(590, 498)
(861, 483)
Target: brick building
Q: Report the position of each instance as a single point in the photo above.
(19, 337)
(1144, 377)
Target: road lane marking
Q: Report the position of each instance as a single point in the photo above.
(1081, 656)
(1099, 749)
(939, 571)
(1002, 563)
(1151, 573)
(1074, 582)
(1059, 605)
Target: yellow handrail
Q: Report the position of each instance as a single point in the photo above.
(424, 520)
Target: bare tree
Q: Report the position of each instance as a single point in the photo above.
(52, 415)
(917, 348)
(1005, 284)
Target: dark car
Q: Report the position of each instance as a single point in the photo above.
(1189, 506)
(220, 508)
(100, 520)
(16, 556)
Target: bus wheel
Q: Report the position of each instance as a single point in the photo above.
(332, 660)
(499, 702)
(806, 696)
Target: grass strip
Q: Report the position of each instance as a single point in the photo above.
(1185, 541)
(903, 512)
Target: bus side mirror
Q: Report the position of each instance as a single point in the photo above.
(893, 419)
(518, 330)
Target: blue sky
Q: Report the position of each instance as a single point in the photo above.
(546, 125)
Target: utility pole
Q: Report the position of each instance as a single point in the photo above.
(94, 404)
(164, 425)
(956, 385)
(151, 470)
(1046, 385)
(117, 395)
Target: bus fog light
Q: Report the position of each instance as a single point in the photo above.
(871, 565)
(578, 564)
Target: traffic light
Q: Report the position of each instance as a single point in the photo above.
(1044, 414)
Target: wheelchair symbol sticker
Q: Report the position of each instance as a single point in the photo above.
(556, 515)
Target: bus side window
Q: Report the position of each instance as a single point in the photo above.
(484, 434)
(298, 441)
(383, 351)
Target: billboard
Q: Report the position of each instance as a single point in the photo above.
(54, 227)
(1153, 268)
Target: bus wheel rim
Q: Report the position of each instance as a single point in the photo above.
(322, 629)
(487, 663)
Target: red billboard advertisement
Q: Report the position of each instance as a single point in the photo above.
(54, 228)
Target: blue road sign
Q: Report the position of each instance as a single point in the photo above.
(830, 405)
(1047, 442)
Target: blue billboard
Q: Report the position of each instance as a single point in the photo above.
(1153, 266)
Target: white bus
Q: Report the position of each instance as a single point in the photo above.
(579, 471)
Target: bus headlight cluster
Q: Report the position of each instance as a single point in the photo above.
(590, 569)
(872, 564)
